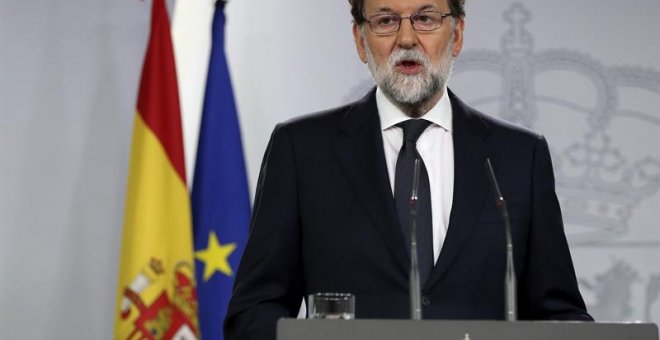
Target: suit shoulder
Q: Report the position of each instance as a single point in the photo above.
(483, 124)
(502, 127)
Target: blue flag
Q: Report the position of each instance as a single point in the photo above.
(220, 199)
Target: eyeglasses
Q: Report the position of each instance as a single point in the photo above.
(422, 22)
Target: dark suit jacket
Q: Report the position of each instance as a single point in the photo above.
(324, 220)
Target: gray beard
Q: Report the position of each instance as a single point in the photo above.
(410, 92)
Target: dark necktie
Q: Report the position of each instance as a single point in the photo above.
(403, 182)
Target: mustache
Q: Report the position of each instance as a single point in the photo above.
(400, 55)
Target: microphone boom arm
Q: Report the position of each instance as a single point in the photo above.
(510, 274)
(414, 284)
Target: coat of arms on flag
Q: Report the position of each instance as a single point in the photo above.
(160, 316)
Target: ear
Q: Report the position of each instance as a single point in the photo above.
(359, 42)
(458, 37)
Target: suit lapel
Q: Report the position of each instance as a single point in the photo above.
(470, 182)
(359, 151)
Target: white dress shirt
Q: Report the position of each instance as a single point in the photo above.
(436, 147)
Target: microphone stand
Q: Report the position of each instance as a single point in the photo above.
(415, 287)
(510, 275)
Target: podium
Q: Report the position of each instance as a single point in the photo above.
(368, 329)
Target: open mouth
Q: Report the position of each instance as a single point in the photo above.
(409, 66)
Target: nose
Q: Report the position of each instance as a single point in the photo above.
(407, 36)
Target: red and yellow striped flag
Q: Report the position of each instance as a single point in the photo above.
(156, 297)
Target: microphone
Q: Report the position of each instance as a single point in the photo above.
(510, 275)
(415, 287)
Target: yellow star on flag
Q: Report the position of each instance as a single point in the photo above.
(216, 257)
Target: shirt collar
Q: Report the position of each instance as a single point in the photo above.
(390, 115)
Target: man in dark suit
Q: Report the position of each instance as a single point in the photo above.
(330, 213)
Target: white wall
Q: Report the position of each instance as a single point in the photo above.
(68, 83)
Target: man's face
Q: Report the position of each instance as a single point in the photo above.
(410, 67)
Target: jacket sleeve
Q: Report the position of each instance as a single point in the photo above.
(268, 283)
(548, 286)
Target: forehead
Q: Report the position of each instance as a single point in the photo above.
(403, 6)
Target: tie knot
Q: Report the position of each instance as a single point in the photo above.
(413, 128)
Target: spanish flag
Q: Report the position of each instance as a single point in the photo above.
(156, 296)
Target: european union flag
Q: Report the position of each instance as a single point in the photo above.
(220, 199)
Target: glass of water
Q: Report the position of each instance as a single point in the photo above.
(337, 306)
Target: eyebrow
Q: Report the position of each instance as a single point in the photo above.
(384, 10)
(425, 7)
